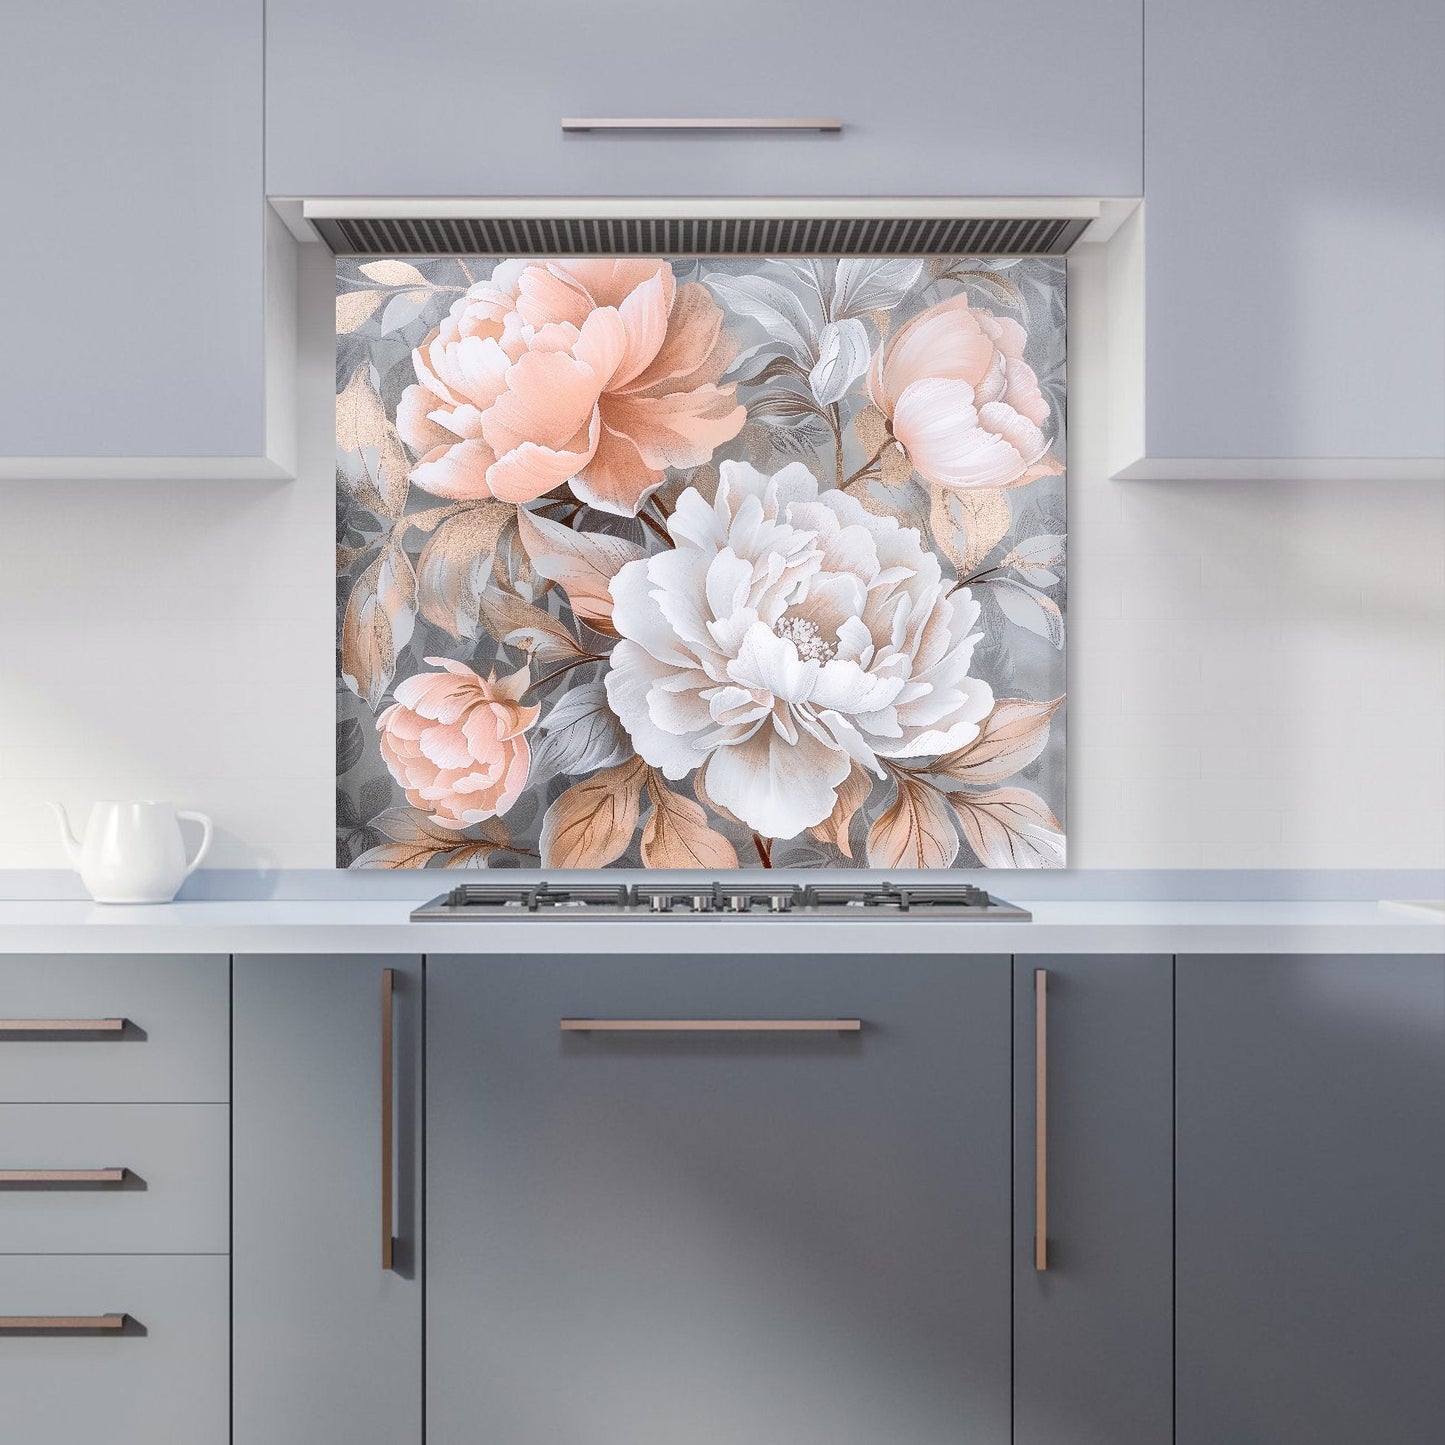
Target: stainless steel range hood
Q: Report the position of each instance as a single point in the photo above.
(718, 226)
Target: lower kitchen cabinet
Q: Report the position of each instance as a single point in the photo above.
(1093, 1354)
(1310, 1197)
(640, 1237)
(326, 1337)
(127, 1349)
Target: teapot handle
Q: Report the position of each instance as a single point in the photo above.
(201, 852)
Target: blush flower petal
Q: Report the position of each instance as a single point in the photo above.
(454, 742)
(597, 374)
(961, 401)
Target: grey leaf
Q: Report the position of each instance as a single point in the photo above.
(581, 733)
(843, 355)
(781, 407)
(1031, 610)
(350, 744)
(374, 798)
(863, 285)
(778, 310)
(404, 308)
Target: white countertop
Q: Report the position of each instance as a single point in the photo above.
(378, 927)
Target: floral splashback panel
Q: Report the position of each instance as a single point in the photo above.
(700, 563)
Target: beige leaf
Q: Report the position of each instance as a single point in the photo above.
(915, 832)
(1011, 737)
(345, 556)
(583, 563)
(356, 308)
(519, 624)
(852, 794)
(362, 427)
(871, 427)
(393, 273)
(882, 318)
(455, 565)
(967, 526)
(591, 824)
(676, 834)
(377, 624)
(897, 469)
(400, 855)
(1010, 828)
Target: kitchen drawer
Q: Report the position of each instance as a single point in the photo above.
(1039, 97)
(162, 1380)
(174, 1048)
(172, 1199)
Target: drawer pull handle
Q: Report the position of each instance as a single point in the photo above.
(63, 1176)
(388, 1119)
(70, 1324)
(733, 125)
(1041, 1119)
(711, 1026)
(81, 1028)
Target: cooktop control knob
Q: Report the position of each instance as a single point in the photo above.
(779, 903)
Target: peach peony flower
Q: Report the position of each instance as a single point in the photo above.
(598, 373)
(454, 741)
(963, 403)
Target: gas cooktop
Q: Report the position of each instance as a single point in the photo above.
(471, 901)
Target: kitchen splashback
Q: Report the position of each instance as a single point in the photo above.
(700, 563)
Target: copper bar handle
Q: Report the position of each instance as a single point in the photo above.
(1041, 1119)
(697, 124)
(79, 1324)
(711, 1026)
(388, 1119)
(84, 1028)
(63, 1176)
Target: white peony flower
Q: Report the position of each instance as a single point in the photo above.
(789, 634)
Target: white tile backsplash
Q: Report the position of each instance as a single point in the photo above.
(1257, 669)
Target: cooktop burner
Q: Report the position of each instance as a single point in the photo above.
(715, 899)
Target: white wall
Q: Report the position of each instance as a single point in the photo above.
(1257, 670)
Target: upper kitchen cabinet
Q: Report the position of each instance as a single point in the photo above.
(145, 293)
(1293, 247)
(1037, 98)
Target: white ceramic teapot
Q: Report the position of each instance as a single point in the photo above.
(133, 852)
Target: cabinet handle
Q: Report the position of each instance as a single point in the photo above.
(1041, 1118)
(81, 1028)
(388, 1118)
(701, 124)
(711, 1026)
(62, 1176)
(72, 1324)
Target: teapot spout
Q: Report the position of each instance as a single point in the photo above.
(68, 839)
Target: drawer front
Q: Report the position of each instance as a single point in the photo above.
(171, 1198)
(173, 1049)
(162, 1378)
(935, 99)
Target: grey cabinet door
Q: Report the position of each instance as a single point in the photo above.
(1285, 159)
(327, 1344)
(638, 1239)
(1310, 1193)
(1040, 97)
(1093, 1354)
(136, 298)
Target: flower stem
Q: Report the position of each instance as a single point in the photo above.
(656, 526)
(867, 466)
(765, 849)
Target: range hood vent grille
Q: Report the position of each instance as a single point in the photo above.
(701, 236)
